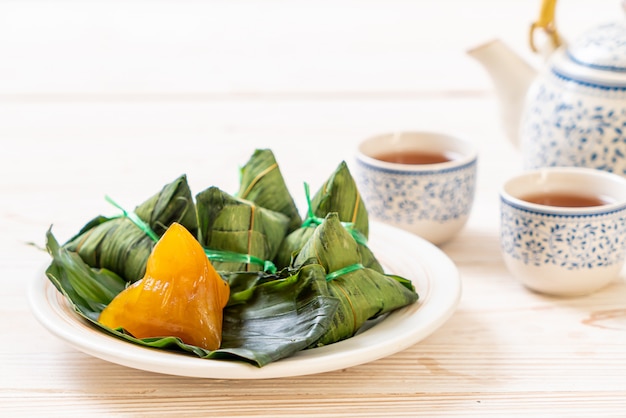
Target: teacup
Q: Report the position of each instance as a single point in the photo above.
(563, 229)
(422, 182)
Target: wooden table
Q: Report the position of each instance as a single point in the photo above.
(119, 98)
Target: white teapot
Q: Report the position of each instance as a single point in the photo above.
(573, 111)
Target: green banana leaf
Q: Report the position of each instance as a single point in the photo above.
(263, 183)
(227, 223)
(338, 194)
(268, 318)
(292, 244)
(363, 293)
(90, 288)
(119, 245)
(276, 318)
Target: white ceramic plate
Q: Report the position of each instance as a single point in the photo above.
(434, 275)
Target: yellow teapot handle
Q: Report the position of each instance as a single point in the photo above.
(545, 22)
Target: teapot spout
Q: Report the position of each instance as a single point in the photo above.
(511, 77)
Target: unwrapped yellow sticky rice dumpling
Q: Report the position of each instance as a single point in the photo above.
(181, 295)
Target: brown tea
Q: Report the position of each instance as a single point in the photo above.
(569, 200)
(414, 157)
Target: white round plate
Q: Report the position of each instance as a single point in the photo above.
(434, 275)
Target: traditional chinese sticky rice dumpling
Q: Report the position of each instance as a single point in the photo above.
(119, 245)
(181, 295)
(238, 226)
(203, 277)
(363, 293)
(263, 183)
(338, 194)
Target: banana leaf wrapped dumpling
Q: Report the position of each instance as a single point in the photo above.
(363, 293)
(263, 183)
(339, 194)
(292, 243)
(238, 227)
(120, 245)
(295, 240)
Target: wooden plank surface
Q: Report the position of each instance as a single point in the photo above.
(91, 104)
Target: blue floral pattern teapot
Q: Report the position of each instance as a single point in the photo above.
(573, 111)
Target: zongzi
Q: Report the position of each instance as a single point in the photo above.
(363, 293)
(120, 245)
(181, 295)
(263, 183)
(237, 226)
(338, 194)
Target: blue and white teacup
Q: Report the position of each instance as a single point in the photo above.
(563, 229)
(422, 182)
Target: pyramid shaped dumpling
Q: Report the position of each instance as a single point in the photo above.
(181, 295)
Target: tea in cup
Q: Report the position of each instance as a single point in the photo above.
(563, 229)
(422, 182)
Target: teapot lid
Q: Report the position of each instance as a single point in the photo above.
(601, 48)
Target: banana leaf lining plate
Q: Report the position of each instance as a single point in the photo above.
(434, 275)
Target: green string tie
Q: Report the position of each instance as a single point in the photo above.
(232, 257)
(313, 221)
(132, 216)
(345, 270)
(213, 255)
